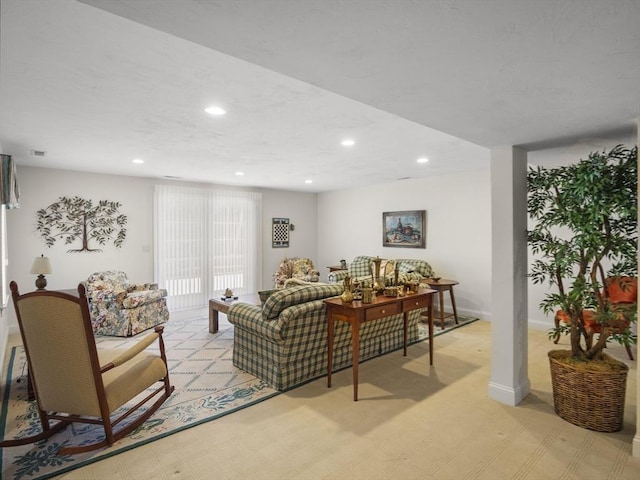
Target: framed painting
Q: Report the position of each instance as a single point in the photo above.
(406, 229)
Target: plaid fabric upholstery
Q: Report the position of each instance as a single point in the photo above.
(409, 270)
(359, 267)
(292, 348)
(287, 297)
(416, 265)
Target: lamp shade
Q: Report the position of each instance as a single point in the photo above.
(41, 266)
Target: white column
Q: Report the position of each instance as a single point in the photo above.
(509, 382)
(636, 439)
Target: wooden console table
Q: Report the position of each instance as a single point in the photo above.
(357, 313)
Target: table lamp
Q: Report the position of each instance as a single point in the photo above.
(41, 266)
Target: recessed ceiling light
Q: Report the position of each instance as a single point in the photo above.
(348, 143)
(239, 173)
(215, 110)
(308, 181)
(138, 160)
(423, 160)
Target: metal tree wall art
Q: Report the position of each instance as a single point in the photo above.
(77, 219)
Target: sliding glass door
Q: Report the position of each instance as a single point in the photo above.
(206, 240)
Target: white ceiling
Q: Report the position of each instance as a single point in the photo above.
(96, 83)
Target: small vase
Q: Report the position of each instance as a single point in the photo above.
(347, 296)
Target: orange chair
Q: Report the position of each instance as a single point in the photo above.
(592, 327)
(621, 293)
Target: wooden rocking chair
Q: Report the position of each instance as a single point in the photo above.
(74, 381)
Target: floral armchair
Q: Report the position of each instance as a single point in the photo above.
(119, 308)
(297, 268)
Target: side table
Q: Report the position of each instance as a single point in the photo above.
(336, 268)
(442, 286)
(218, 305)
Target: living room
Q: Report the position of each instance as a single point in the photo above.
(329, 225)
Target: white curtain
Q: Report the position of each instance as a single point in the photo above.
(206, 240)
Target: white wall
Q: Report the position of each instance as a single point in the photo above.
(40, 187)
(458, 244)
(300, 209)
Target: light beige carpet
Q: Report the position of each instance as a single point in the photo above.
(411, 422)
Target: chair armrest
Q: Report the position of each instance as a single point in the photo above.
(249, 317)
(142, 287)
(139, 298)
(131, 352)
(337, 276)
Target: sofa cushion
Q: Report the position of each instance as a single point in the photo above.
(287, 297)
(361, 266)
(406, 265)
(265, 294)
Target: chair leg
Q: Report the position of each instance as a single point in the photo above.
(556, 336)
(36, 438)
(118, 434)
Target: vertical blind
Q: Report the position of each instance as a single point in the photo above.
(9, 198)
(206, 240)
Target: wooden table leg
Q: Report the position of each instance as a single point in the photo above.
(355, 347)
(453, 304)
(213, 320)
(404, 332)
(430, 321)
(441, 306)
(330, 330)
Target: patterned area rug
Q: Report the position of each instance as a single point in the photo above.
(207, 386)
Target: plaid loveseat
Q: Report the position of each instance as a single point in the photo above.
(409, 270)
(122, 309)
(284, 342)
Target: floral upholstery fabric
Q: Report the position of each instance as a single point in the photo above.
(409, 270)
(121, 309)
(284, 343)
(297, 268)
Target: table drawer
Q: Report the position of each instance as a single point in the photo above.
(382, 311)
(415, 303)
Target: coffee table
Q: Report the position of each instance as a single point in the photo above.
(218, 305)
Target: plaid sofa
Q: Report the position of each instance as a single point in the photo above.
(409, 269)
(284, 342)
(119, 308)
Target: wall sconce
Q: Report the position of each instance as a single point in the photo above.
(41, 267)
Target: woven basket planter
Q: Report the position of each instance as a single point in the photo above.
(593, 400)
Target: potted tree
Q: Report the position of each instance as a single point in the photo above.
(583, 235)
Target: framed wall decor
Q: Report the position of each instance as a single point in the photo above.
(280, 233)
(406, 229)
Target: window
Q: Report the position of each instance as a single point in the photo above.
(4, 258)
(206, 240)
